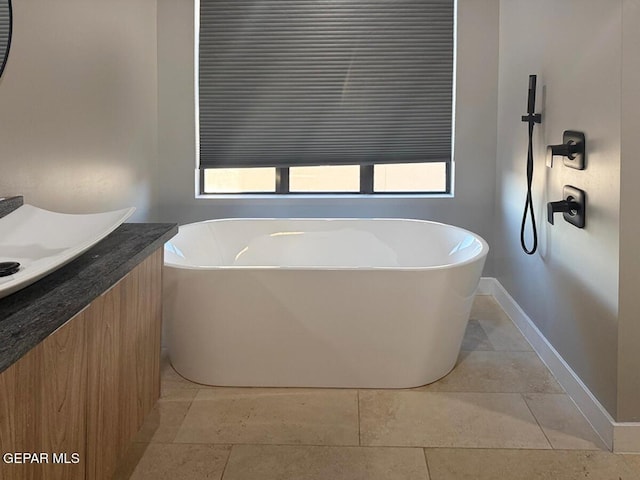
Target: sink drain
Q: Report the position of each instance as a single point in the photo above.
(8, 268)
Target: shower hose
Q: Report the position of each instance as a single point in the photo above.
(528, 206)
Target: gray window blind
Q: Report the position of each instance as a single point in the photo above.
(5, 30)
(325, 82)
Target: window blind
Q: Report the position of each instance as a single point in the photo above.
(5, 30)
(325, 82)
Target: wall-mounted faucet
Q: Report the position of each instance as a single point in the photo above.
(572, 206)
(564, 206)
(572, 149)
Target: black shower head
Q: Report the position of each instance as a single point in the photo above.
(531, 103)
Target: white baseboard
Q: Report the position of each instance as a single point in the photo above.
(620, 437)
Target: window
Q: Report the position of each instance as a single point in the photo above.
(319, 96)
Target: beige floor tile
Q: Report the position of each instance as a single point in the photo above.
(485, 306)
(634, 462)
(499, 372)
(162, 424)
(178, 394)
(500, 330)
(272, 416)
(168, 384)
(170, 379)
(475, 338)
(465, 464)
(438, 419)
(130, 461)
(181, 462)
(562, 422)
(267, 462)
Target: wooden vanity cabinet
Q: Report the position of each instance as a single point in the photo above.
(86, 388)
(43, 406)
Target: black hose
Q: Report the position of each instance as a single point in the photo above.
(528, 206)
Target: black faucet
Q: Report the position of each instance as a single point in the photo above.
(573, 206)
(566, 206)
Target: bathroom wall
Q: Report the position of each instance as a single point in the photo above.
(475, 135)
(78, 105)
(570, 289)
(629, 298)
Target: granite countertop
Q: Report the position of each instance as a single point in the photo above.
(9, 204)
(30, 315)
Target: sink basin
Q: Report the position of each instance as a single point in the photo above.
(43, 241)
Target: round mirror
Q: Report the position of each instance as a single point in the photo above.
(5, 32)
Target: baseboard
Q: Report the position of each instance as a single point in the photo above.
(620, 437)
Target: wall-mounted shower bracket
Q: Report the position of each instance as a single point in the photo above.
(572, 206)
(572, 149)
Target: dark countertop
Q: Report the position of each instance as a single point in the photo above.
(9, 204)
(30, 315)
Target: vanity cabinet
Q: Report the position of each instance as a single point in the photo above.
(43, 406)
(123, 337)
(84, 391)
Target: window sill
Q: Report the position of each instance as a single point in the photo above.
(320, 196)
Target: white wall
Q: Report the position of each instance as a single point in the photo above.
(78, 105)
(570, 288)
(629, 297)
(475, 147)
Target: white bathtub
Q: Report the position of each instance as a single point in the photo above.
(380, 303)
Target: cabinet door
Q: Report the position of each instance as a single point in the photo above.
(42, 407)
(123, 338)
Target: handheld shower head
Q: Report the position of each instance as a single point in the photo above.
(531, 116)
(531, 103)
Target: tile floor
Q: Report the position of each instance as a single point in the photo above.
(498, 414)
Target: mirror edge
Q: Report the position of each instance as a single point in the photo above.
(4, 59)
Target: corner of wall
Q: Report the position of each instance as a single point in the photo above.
(569, 288)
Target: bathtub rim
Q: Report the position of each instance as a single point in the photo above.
(484, 251)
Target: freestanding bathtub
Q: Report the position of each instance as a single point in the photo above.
(368, 303)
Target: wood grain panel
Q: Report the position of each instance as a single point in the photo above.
(44, 404)
(7, 415)
(124, 361)
(148, 330)
(62, 412)
(103, 340)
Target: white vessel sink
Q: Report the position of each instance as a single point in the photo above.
(43, 241)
